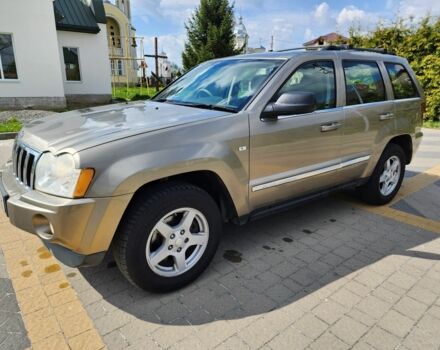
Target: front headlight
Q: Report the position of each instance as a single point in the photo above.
(57, 175)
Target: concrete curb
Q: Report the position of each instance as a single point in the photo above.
(8, 135)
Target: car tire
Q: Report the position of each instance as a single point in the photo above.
(159, 222)
(387, 177)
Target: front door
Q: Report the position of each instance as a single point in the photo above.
(298, 154)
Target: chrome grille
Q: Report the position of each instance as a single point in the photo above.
(24, 160)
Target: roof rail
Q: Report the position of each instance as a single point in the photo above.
(303, 48)
(340, 48)
(351, 47)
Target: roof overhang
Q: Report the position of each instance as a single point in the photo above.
(78, 29)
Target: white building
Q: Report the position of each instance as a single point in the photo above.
(122, 42)
(242, 39)
(53, 52)
(241, 35)
(164, 68)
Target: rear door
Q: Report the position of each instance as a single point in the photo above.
(407, 100)
(369, 116)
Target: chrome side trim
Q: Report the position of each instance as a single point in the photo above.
(354, 161)
(310, 173)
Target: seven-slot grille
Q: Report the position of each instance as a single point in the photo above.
(24, 160)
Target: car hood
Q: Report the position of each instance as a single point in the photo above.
(77, 130)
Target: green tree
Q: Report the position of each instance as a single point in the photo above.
(210, 32)
(419, 43)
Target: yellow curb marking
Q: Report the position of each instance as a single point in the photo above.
(409, 187)
(53, 315)
(418, 182)
(406, 218)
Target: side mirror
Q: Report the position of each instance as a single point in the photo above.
(290, 103)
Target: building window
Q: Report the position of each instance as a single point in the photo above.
(120, 68)
(8, 68)
(71, 63)
(117, 67)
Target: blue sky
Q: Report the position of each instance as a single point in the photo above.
(291, 22)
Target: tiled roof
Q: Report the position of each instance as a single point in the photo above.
(330, 37)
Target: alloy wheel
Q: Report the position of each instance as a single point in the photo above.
(177, 242)
(390, 176)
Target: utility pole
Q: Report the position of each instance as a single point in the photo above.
(156, 57)
(271, 43)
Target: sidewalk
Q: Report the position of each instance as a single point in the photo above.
(334, 274)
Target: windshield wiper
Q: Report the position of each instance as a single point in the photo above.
(222, 108)
(206, 106)
(198, 105)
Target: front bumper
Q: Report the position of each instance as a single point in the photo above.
(77, 231)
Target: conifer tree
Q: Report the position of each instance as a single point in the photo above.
(210, 33)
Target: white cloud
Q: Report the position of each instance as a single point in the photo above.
(176, 11)
(418, 8)
(322, 12)
(350, 15)
(308, 34)
(286, 27)
(390, 4)
(179, 3)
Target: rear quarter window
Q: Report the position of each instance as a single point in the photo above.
(403, 85)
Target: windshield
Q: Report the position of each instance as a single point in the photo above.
(226, 84)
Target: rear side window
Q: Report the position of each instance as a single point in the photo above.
(403, 86)
(317, 77)
(364, 83)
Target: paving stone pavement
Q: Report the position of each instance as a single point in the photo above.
(344, 278)
(327, 275)
(12, 329)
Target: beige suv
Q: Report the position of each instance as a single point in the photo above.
(232, 140)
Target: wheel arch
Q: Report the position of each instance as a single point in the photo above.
(405, 142)
(207, 180)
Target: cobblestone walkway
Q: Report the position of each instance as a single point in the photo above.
(334, 274)
(12, 330)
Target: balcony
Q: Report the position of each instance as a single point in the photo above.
(115, 51)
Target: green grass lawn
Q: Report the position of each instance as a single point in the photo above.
(133, 93)
(432, 124)
(11, 125)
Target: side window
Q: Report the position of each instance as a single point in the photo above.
(8, 69)
(317, 77)
(403, 86)
(363, 82)
(71, 63)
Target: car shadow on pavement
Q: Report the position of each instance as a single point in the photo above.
(269, 264)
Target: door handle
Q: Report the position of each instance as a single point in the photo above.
(330, 127)
(386, 116)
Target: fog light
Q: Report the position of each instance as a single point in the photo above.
(42, 226)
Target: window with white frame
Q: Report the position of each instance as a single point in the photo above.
(8, 67)
(117, 67)
(71, 63)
